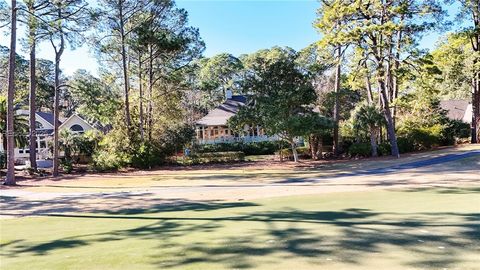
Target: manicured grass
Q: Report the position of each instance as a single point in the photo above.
(402, 229)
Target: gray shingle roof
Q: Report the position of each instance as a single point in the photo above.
(456, 108)
(220, 115)
(48, 117)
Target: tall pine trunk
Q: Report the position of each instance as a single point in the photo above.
(126, 81)
(56, 104)
(150, 93)
(336, 107)
(373, 141)
(10, 180)
(368, 85)
(32, 94)
(475, 41)
(294, 150)
(140, 88)
(387, 112)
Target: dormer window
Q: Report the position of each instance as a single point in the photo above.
(77, 128)
(38, 125)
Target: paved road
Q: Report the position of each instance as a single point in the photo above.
(392, 169)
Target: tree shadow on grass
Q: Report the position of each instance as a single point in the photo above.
(288, 233)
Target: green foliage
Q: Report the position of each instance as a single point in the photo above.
(3, 159)
(67, 165)
(405, 145)
(282, 96)
(255, 148)
(217, 74)
(360, 150)
(92, 98)
(117, 149)
(88, 142)
(213, 157)
(384, 149)
(286, 153)
(20, 125)
(146, 156)
(423, 137)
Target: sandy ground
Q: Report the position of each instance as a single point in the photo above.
(134, 190)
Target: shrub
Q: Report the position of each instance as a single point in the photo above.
(66, 165)
(384, 149)
(360, 150)
(117, 149)
(3, 160)
(453, 131)
(147, 156)
(303, 152)
(405, 145)
(423, 138)
(213, 157)
(255, 148)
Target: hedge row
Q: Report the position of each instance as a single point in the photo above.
(217, 157)
(256, 148)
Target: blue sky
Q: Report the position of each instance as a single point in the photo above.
(234, 26)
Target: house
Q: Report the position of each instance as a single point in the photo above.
(44, 130)
(213, 127)
(458, 110)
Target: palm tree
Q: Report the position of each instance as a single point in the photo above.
(20, 122)
(368, 117)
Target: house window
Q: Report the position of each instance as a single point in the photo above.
(216, 131)
(38, 125)
(77, 128)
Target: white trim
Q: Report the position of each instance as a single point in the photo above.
(71, 116)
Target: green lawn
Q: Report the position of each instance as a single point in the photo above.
(402, 229)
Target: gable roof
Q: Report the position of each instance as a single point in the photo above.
(220, 115)
(456, 108)
(75, 116)
(48, 117)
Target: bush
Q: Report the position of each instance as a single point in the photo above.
(423, 138)
(303, 152)
(255, 148)
(213, 157)
(147, 156)
(405, 145)
(360, 150)
(117, 149)
(384, 149)
(3, 160)
(453, 131)
(66, 165)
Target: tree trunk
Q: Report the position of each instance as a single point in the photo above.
(10, 179)
(56, 103)
(294, 151)
(312, 143)
(126, 81)
(387, 113)
(368, 85)
(475, 41)
(336, 107)
(373, 141)
(315, 142)
(32, 95)
(150, 93)
(475, 109)
(396, 67)
(140, 88)
(320, 148)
